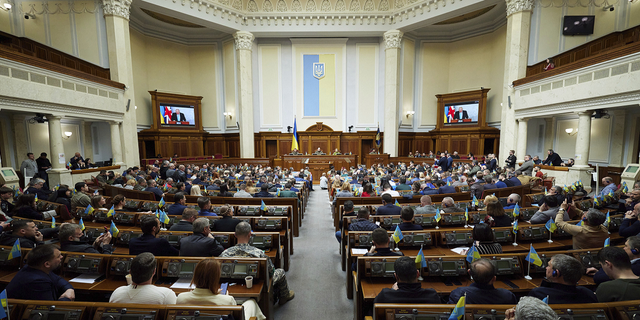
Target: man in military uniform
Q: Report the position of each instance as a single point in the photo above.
(244, 250)
(295, 152)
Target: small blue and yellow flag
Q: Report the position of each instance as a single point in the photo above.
(69, 164)
(545, 191)
(56, 187)
(53, 222)
(74, 191)
(607, 220)
(458, 311)
(438, 216)
(475, 201)
(625, 189)
(421, 259)
(397, 204)
(15, 251)
(161, 203)
(3, 300)
(397, 235)
(114, 230)
(516, 211)
(448, 183)
(466, 214)
(551, 225)
(580, 223)
(89, 210)
(546, 300)
(164, 218)
(95, 193)
(596, 201)
(36, 198)
(111, 211)
(515, 227)
(263, 206)
(473, 254)
(607, 242)
(533, 257)
(170, 159)
(278, 194)
(81, 224)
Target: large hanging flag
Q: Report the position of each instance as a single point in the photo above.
(397, 235)
(533, 257)
(458, 311)
(473, 254)
(294, 138)
(551, 225)
(15, 250)
(111, 212)
(420, 259)
(114, 230)
(378, 138)
(319, 85)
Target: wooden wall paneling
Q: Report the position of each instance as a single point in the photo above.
(473, 146)
(285, 146)
(271, 148)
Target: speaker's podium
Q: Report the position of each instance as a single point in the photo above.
(184, 123)
(372, 158)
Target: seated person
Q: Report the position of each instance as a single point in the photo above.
(147, 242)
(388, 207)
(228, 223)
(406, 214)
(425, 206)
(26, 208)
(548, 210)
(444, 188)
(264, 192)
(204, 203)
(318, 152)
(630, 225)
(179, 205)
(482, 291)
(496, 217)
(560, 285)
(407, 288)
(625, 284)
(37, 281)
(449, 206)
(484, 240)
(71, 240)
(143, 268)
(347, 211)
(287, 193)
(242, 193)
(36, 186)
(152, 186)
(224, 191)
(632, 248)
(530, 308)
(24, 230)
(591, 234)
(512, 200)
(201, 243)
(81, 198)
(6, 205)
(242, 249)
(380, 246)
(387, 189)
(186, 223)
(206, 279)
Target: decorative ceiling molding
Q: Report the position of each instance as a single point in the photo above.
(611, 101)
(576, 3)
(170, 20)
(14, 104)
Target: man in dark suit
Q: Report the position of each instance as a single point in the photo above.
(632, 248)
(409, 289)
(228, 223)
(444, 188)
(562, 275)
(443, 162)
(406, 214)
(201, 243)
(186, 224)
(388, 208)
(152, 186)
(147, 242)
(177, 115)
(264, 192)
(179, 206)
(482, 291)
(460, 114)
(553, 159)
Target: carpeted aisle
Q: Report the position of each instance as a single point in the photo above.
(315, 273)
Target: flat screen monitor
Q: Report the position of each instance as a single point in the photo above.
(578, 25)
(177, 116)
(630, 169)
(461, 113)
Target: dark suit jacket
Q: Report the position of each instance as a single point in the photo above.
(388, 209)
(465, 115)
(174, 117)
(561, 293)
(226, 224)
(446, 189)
(156, 192)
(199, 245)
(263, 195)
(182, 226)
(176, 209)
(149, 243)
(443, 163)
(33, 284)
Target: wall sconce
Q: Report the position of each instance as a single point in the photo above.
(228, 114)
(410, 113)
(571, 131)
(6, 6)
(68, 134)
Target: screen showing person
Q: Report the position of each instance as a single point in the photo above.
(461, 113)
(177, 115)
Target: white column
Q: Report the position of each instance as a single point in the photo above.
(116, 15)
(583, 139)
(392, 43)
(515, 67)
(116, 146)
(521, 150)
(244, 43)
(618, 139)
(549, 134)
(58, 173)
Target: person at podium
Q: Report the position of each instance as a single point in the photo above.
(177, 116)
(461, 114)
(295, 152)
(336, 152)
(318, 152)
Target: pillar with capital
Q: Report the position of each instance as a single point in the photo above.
(580, 170)
(244, 44)
(521, 148)
(392, 44)
(515, 67)
(116, 15)
(116, 146)
(58, 173)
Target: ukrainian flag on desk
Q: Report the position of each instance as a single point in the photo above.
(111, 211)
(319, 82)
(397, 204)
(516, 211)
(458, 311)
(15, 251)
(263, 206)
(533, 257)
(89, 210)
(421, 260)
(607, 242)
(114, 230)
(476, 203)
(3, 300)
(81, 224)
(473, 254)
(294, 139)
(397, 235)
(551, 225)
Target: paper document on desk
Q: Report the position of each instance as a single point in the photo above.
(358, 251)
(86, 278)
(460, 250)
(183, 283)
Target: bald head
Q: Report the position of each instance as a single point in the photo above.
(482, 271)
(425, 201)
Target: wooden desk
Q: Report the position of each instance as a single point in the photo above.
(371, 159)
(319, 163)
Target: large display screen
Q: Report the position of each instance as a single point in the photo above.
(178, 116)
(461, 113)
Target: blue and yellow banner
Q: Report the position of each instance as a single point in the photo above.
(319, 78)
